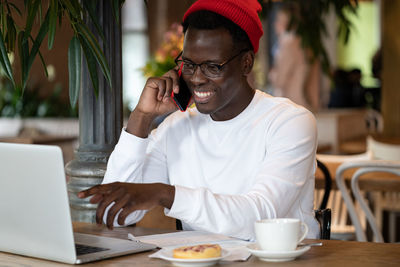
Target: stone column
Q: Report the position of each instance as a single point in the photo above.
(100, 118)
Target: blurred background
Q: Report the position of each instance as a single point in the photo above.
(348, 72)
(339, 59)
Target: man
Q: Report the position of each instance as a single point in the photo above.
(239, 156)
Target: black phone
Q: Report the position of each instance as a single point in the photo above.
(182, 99)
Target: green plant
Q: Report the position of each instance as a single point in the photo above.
(18, 38)
(308, 19)
(32, 104)
(163, 60)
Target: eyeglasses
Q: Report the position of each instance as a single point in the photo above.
(209, 69)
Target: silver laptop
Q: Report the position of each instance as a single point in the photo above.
(34, 210)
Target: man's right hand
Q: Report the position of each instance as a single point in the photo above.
(154, 101)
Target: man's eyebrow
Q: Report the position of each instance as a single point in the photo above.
(207, 61)
(185, 58)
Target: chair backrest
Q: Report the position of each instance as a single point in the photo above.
(363, 167)
(323, 215)
(328, 184)
(383, 150)
(340, 226)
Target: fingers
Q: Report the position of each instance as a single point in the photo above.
(165, 85)
(97, 192)
(113, 196)
(121, 199)
(124, 213)
(119, 204)
(91, 191)
(173, 75)
(96, 198)
(165, 88)
(156, 97)
(105, 195)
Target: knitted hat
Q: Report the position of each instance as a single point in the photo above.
(241, 12)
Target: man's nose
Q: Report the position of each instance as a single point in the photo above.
(198, 77)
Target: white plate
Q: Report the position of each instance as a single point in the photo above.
(166, 254)
(276, 256)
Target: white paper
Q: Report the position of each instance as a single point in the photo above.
(236, 247)
(183, 238)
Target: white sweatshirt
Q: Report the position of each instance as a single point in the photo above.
(227, 174)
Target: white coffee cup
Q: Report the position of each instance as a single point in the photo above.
(282, 234)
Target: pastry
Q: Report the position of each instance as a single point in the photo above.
(198, 252)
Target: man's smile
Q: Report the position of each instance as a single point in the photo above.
(202, 96)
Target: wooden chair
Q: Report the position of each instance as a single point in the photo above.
(388, 201)
(341, 227)
(373, 166)
(322, 214)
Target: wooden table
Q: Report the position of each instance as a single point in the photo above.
(332, 253)
(384, 182)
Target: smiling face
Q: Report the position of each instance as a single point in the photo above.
(226, 96)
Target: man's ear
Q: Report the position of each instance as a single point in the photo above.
(247, 62)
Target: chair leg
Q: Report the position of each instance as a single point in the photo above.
(377, 198)
(324, 219)
(392, 226)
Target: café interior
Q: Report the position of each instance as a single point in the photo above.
(354, 95)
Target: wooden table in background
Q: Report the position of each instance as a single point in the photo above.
(384, 182)
(332, 253)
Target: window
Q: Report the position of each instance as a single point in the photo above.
(135, 50)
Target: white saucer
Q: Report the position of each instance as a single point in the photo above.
(166, 254)
(276, 256)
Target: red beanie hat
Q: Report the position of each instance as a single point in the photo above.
(241, 12)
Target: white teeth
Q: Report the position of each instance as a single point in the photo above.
(202, 94)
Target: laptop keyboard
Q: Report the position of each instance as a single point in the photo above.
(84, 249)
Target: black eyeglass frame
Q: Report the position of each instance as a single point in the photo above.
(205, 64)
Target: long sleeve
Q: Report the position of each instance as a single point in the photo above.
(130, 161)
(228, 174)
(282, 186)
(126, 161)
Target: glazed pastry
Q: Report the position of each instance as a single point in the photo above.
(198, 252)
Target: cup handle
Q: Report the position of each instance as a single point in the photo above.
(305, 232)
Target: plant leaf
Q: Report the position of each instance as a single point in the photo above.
(76, 5)
(52, 23)
(41, 59)
(71, 9)
(23, 48)
(74, 70)
(43, 64)
(115, 9)
(95, 48)
(90, 5)
(116, 6)
(5, 61)
(36, 45)
(31, 16)
(91, 64)
(16, 8)
(11, 34)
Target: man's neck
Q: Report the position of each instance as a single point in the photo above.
(246, 98)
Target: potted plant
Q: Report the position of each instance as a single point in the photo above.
(19, 39)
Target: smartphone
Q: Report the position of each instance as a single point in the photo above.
(182, 99)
